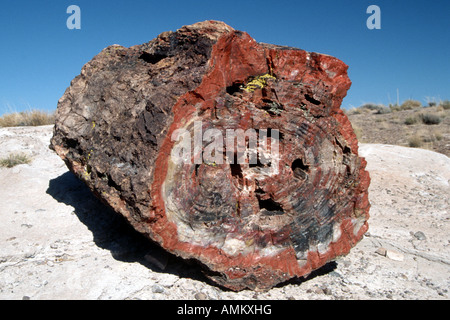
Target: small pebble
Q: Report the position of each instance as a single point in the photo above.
(419, 235)
(394, 255)
(201, 296)
(156, 288)
(381, 251)
(327, 291)
(318, 290)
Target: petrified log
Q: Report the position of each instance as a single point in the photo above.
(252, 217)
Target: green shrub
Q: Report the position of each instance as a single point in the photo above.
(370, 106)
(395, 108)
(383, 110)
(14, 159)
(445, 104)
(430, 118)
(411, 120)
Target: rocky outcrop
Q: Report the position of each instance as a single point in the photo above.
(221, 149)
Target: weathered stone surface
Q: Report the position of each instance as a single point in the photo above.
(251, 225)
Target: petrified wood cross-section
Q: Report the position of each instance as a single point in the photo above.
(251, 224)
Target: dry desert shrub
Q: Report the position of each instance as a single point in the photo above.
(415, 141)
(445, 104)
(383, 110)
(411, 120)
(370, 108)
(430, 118)
(410, 104)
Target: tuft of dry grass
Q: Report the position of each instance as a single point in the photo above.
(14, 159)
(27, 118)
(415, 141)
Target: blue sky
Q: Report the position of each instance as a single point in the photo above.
(39, 55)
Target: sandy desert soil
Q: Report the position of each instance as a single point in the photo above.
(57, 241)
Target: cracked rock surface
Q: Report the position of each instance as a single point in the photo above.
(58, 241)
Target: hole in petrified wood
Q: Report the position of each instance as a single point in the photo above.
(235, 87)
(270, 207)
(72, 143)
(196, 169)
(299, 169)
(236, 172)
(312, 100)
(112, 183)
(151, 58)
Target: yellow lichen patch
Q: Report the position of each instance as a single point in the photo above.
(212, 164)
(249, 242)
(87, 172)
(86, 175)
(258, 82)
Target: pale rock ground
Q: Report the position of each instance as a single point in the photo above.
(57, 241)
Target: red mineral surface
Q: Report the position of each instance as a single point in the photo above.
(221, 149)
